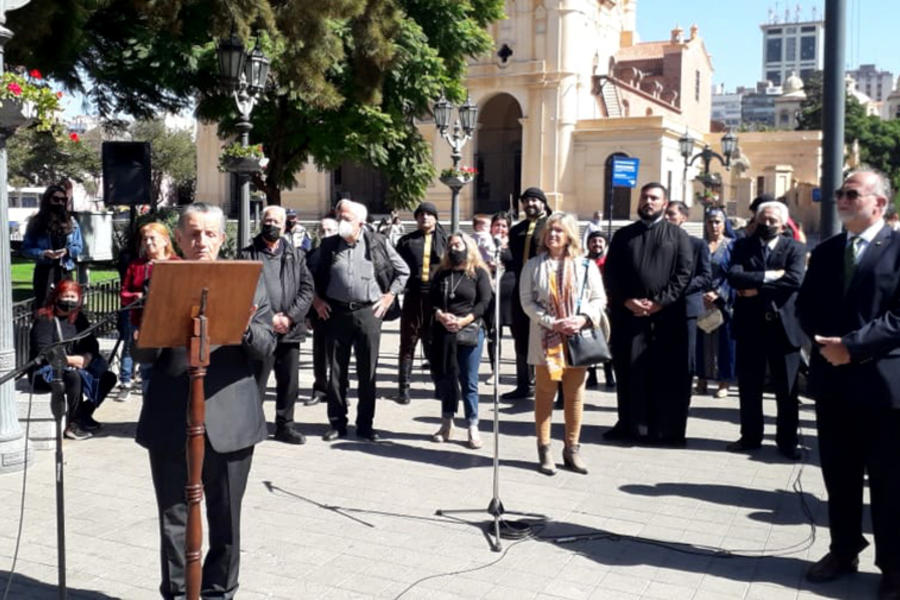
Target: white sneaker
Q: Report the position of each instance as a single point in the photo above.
(489, 380)
(474, 438)
(124, 393)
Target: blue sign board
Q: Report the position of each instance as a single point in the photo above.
(817, 194)
(625, 171)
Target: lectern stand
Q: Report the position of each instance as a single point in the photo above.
(198, 305)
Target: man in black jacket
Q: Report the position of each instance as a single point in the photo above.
(766, 270)
(648, 267)
(290, 289)
(523, 244)
(422, 250)
(678, 213)
(850, 306)
(234, 424)
(358, 276)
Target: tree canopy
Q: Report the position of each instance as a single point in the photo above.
(348, 77)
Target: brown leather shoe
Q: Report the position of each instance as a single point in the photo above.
(831, 567)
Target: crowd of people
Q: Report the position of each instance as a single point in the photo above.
(733, 308)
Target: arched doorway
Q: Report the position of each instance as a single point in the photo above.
(617, 199)
(361, 184)
(498, 155)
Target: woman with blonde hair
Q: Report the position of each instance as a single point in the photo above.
(155, 245)
(460, 293)
(562, 293)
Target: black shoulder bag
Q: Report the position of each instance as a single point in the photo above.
(588, 346)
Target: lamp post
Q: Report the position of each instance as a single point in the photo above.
(244, 74)
(686, 146)
(462, 133)
(14, 450)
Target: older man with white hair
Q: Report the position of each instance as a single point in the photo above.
(767, 270)
(290, 289)
(358, 276)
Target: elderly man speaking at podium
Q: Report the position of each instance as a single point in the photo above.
(235, 423)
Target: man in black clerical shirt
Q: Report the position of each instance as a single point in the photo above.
(648, 268)
(523, 244)
(422, 250)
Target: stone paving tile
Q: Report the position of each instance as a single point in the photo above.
(357, 520)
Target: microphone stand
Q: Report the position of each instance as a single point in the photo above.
(500, 528)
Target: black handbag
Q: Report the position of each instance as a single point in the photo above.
(468, 335)
(588, 346)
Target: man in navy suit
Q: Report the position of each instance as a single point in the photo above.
(850, 306)
(766, 270)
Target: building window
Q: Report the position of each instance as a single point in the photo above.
(784, 117)
(805, 73)
(697, 86)
(790, 49)
(760, 185)
(808, 28)
(774, 31)
(774, 77)
(808, 47)
(773, 50)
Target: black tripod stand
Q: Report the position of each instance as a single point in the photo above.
(500, 527)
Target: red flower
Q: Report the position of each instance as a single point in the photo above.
(59, 95)
(35, 74)
(74, 137)
(15, 88)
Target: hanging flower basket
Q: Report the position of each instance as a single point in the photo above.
(16, 113)
(457, 177)
(25, 98)
(240, 159)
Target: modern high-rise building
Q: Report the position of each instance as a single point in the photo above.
(797, 46)
(875, 84)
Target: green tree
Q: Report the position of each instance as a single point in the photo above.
(172, 156)
(348, 77)
(39, 159)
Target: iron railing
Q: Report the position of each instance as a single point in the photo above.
(100, 299)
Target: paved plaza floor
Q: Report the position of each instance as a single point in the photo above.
(353, 519)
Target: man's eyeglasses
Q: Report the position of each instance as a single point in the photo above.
(59, 198)
(851, 195)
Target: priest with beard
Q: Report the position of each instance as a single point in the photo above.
(648, 268)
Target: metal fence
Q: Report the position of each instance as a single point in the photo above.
(100, 299)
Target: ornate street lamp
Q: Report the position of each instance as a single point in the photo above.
(686, 147)
(463, 128)
(245, 75)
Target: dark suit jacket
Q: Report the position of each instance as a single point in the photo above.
(701, 278)
(234, 416)
(867, 319)
(517, 236)
(747, 272)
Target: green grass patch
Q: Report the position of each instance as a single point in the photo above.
(22, 270)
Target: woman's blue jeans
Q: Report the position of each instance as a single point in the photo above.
(462, 383)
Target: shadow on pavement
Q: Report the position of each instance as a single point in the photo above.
(26, 587)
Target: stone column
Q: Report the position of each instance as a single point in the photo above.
(14, 450)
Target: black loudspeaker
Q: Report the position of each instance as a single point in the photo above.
(126, 173)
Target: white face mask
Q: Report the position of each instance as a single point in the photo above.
(346, 229)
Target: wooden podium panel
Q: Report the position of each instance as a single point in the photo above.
(174, 297)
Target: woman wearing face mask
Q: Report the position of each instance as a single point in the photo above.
(86, 377)
(53, 239)
(562, 293)
(460, 293)
(156, 245)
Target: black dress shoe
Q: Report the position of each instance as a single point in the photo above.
(333, 434)
(315, 399)
(402, 397)
(368, 434)
(742, 446)
(889, 588)
(289, 436)
(789, 453)
(831, 567)
(518, 394)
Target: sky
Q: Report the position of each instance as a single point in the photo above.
(730, 30)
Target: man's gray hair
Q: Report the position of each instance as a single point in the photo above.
(882, 185)
(202, 208)
(279, 211)
(781, 207)
(359, 210)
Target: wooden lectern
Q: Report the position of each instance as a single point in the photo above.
(197, 304)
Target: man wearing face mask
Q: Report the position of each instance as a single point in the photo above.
(289, 286)
(358, 276)
(523, 244)
(648, 268)
(422, 250)
(767, 270)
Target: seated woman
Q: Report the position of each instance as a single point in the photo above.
(460, 294)
(561, 292)
(86, 376)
